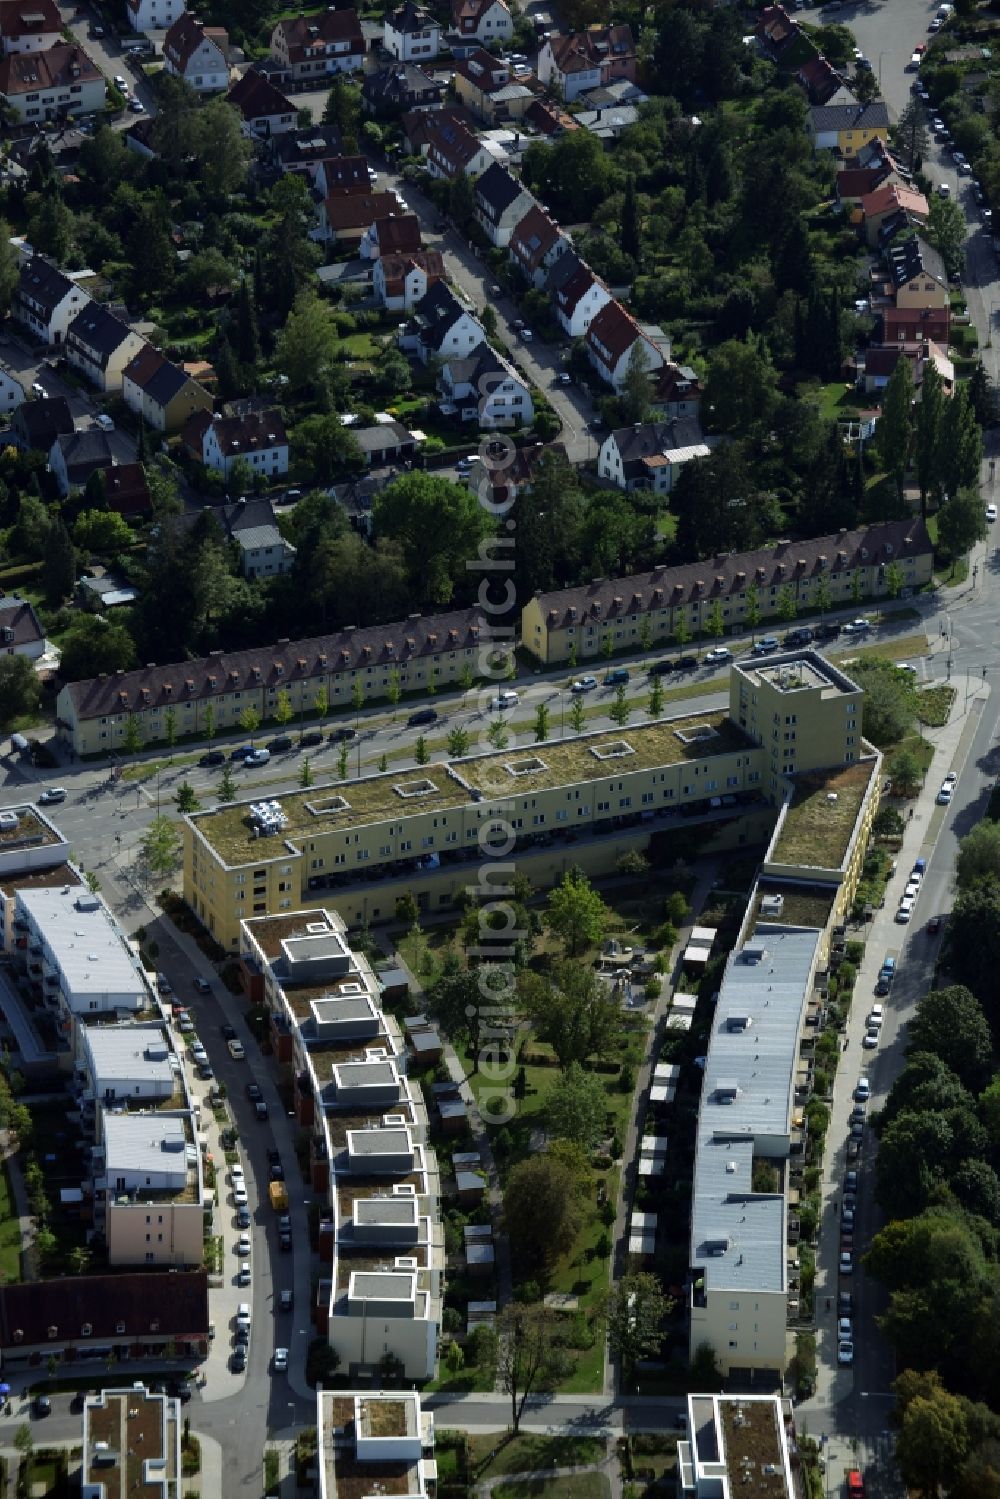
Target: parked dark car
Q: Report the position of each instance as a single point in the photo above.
(421, 717)
(228, 1032)
(213, 757)
(687, 663)
(42, 1405)
(260, 1109)
(661, 668)
(340, 736)
(281, 743)
(253, 1092)
(312, 736)
(827, 631)
(286, 1301)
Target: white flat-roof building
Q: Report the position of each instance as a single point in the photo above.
(735, 1443)
(149, 1189)
(86, 964)
(748, 1110)
(130, 1063)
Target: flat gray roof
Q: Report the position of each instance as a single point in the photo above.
(737, 1235)
(85, 941)
(383, 1285)
(145, 1145)
(129, 1053)
(375, 1210)
(392, 1141)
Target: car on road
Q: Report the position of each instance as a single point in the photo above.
(934, 25)
(826, 630)
(661, 668)
(213, 757)
(96, 31)
(260, 1110)
(526, 335)
(258, 757)
(280, 1360)
(847, 1219)
(236, 1050)
(243, 1246)
(564, 379)
(285, 1243)
(766, 645)
(240, 1199)
(422, 717)
(583, 684)
(912, 889)
(717, 655)
(855, 1485)
(311, 737)
(845, 1352)
(944, 191)
(243, 1217)
(876, 1015)
(507, 699)
(343, 736)
(857, 627)
(276, 1172)
(991, 512)
(52, 794)
(905, 910)
(802, 635)
(686, 663)
(946, 793)
(845, 1303)
(228, 1031)
(280, 744)
(863, 1090)
(243, 1277)
(198, 1052)
(845, 1327)
(286, 1301)
(846, 1262)
(933, 926)
(201, 984)
(241, 753)
(185, 1025)
(238, 1361)
(41, 1406)
(871, 1038)
(253, 1092)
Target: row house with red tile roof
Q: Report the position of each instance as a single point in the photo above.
(578, 301)
(536, 244)
(614, 340)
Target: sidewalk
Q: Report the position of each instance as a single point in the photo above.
(952, 745)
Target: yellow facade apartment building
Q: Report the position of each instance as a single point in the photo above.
(210, 694)
(581, 800)
(895, 557)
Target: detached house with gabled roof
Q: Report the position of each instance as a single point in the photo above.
(482, 20)
(153, 15)
(411, 34)
(886, 202)
(29, 26)
(75, 456)
(401, 281)
(264, 108)
(452, 148)
(397, 87)
(257, 437)
(487, 88)
(847, 128)
(161, 392)
(650, 455)
(313, 46)
(587, 59)
(198, 54)
(501, 203)
(578, 301)
(46, 300)
(918, 273)
(100, 345)
(535, 244)
(611, 338)
(485, 388)
(441, 327)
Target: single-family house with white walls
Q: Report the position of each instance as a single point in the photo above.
(482, 20)
(153, 15)
(401, 281)
(611, 338)
(198, 54)
(650, 455)
(411, 34)
(501, 203)
(536, 244)
(258, 437)
(29, 26)
(486, 389)
(578, 301)
(442, 327)
(11, 390)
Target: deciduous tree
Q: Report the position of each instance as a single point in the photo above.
(576, 1107)
(576, 913)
